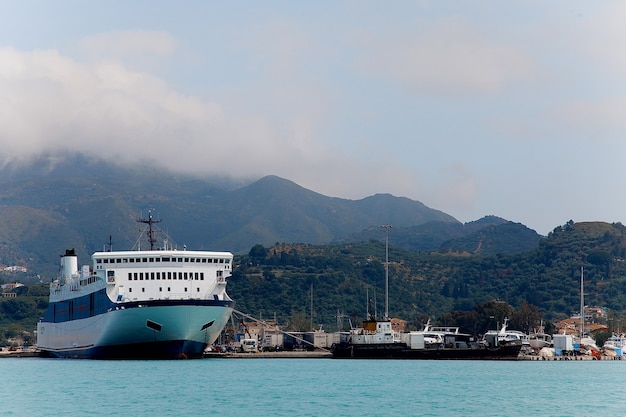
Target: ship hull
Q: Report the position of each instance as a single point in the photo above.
(146, 330)
(402, 351)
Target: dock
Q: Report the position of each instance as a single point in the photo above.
(317, 354)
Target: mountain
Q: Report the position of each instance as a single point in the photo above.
(486, 236)
(88, 205)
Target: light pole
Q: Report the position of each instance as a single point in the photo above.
(386, 227)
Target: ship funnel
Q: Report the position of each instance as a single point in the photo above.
(69, 266)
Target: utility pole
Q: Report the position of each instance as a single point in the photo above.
(386, 227)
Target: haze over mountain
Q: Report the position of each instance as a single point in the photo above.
(89, 204)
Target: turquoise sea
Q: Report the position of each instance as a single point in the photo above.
(310, 387)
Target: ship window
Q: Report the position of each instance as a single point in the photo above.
(132, 260)
(185, 276)
(160, 289)
(201, 276)
(151, 259)
(130, 276)
(158, 275)
(220, 273)
(169, 289)
(173, 259)
(106, 261)
(169, 275)
(130, 289)
(143, 289)
(118, 260)
(186, 259)
(180, 259)
(166, 259)
(145, 259)
(192, 260)
(157, 259)
(134, 276)
(125, 260)
(198, 289)
(180, 275)
(152, 275)
(98, 261)
(185, 289)
(141, 276)
(221, 261)
(203, 260)
(195, 276)
(210, 260)
(227, 261)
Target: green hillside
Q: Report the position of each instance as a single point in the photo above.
(278, 280)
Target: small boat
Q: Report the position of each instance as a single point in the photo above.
(376, 340)
(615, 345)
(144, 304)
(505, 336)
(538, 339)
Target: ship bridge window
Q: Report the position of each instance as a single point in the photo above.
(118, 260)
(151, 259)
(227, 261)
(98, 261)
(157, 259)
(221, 261)
(203, 260)
(186, 259)
(201, 276)
(145, 259)
(165, 259)
(132, 260)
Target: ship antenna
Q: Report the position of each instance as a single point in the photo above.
(151, 232)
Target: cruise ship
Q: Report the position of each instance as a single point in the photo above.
(140, 304)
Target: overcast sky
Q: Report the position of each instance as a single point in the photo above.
(516, 108)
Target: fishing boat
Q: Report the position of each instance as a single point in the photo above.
(539, 339)
(376, 340)
(505, 336)
(160, 303)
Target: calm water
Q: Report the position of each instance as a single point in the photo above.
(310, 387)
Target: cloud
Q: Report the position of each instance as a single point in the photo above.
(54, 104)
(120, 45)
(449, 56)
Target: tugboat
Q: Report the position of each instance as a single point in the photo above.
(160, 303)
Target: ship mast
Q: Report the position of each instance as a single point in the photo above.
(151, 231)
(582, 305)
